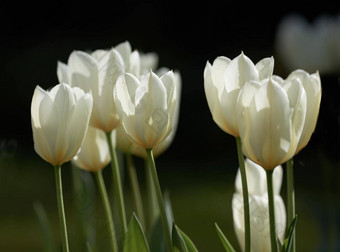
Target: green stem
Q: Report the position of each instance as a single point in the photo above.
(153, 211)
(245, 194)
(160, 200)
(135, 188)
(270, 189)
(117, 184)
(107, 208)
(61, 210)
(291, 197)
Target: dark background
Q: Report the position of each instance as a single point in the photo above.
(185, 35)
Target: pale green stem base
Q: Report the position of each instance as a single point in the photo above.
(107, 208)
(273, 236)
(61, 210)
(291, 198)
(246, 211)
(160, 200)
(137, 197)
(118, 191)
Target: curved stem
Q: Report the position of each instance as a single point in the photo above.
(245, 194)
(291, 197)
(135, 188)
(61, 210)
(117, 184)
(160, 200)
(153, 210)
(270, 189)
(107, 208)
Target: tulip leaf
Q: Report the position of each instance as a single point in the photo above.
(46, 230)
(289, 236)
(156, 237)
(135, 239)
(181, 242)
(178, 242)
(226, 244)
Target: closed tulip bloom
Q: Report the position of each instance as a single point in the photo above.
(127, 145)
(223, 81)
(259, 213)
(94, 152)
(312, 86)
(60, 119)
(258, 198)
(146, 107)
(271, 116)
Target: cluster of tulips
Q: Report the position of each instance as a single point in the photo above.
(117, 99)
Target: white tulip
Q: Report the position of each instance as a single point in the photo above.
(97, 72)
(125, 144)
(94, 152)
(60, 119)
(311, 46)
(271, 116)
(223, 81)
(312, 86)
(146, 107)
(258, 204)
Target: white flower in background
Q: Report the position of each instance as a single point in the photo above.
(60, 119)
(125, 144)
(94, 152)
(146, 107)
(258, 204)
(271, 116)
(310, 46)
(223, 81)
(97, 72)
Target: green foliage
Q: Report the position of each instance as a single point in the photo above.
(135, 239)
(45, 227)
(226, 244)
(289, 236)
(181, 242)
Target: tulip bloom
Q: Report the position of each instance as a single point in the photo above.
(146, 107)
(271, 116)
(60, 119)
(311, 46)
(94, 152)
(97, 72)
(259, 217)
(312, 86)
(223, 81)
(127, 145)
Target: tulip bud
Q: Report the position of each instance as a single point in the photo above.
(60, 119)
(222, 83)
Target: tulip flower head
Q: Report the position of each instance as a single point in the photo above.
(312, 86)
(223, 81)
(258, 202)
(271, 116)
(60, 119)
(97, 72)
(311, 46)
(146, 107)
(125, 144)
(94, 152)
